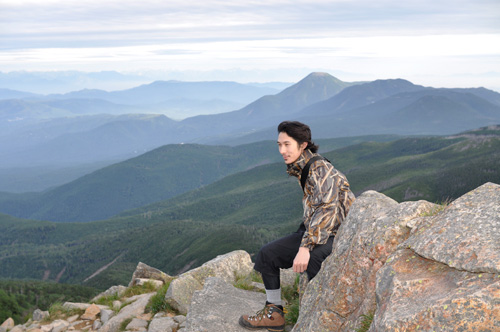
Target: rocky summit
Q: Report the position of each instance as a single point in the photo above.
(410, 266)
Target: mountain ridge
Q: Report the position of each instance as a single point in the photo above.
(331, 107)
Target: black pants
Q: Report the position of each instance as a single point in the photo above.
(281, 253)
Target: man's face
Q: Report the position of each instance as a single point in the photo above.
(289, 148)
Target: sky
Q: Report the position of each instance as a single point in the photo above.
(439, 43)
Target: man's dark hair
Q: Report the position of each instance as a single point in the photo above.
(299, 132)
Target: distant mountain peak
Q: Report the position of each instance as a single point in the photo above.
(318, 73)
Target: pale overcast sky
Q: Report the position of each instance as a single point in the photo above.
(449, 43)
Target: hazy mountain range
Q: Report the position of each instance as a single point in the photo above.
(60, 137)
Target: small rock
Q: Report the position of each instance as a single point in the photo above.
(34, 329)
(96, 325)
(18, 328)
(106, 314)
(91, 312)
(117, 305)
(59, 325)
(163, 324)
(39, 315)
(8, 324)
(46, 328)
(180, 319)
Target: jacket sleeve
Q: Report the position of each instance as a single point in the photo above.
(323, 210)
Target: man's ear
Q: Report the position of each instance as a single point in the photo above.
(303, 146)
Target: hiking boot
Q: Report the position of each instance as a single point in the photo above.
(271, 318)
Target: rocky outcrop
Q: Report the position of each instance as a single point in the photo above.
(145, 272)
(411, 266)
(227, 267)
(136, 308)
(446, 276)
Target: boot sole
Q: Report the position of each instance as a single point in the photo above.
(276, 329)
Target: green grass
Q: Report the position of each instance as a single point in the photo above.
(108, 301)
(57, 311)
(147, 287)
(245, 282)
(291, 296)
(436, 209)
(366, 322)
(157, 303)
(123, 325)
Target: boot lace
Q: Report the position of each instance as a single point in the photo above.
(266, 311)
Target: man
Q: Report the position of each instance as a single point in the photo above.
(327, 199)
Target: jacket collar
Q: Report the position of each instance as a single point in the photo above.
(295, 169)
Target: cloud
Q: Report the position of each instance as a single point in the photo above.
(150, 21)
(385, 37)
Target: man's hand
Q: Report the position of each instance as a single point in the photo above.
(301, 260)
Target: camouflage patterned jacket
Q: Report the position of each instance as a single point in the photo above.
(327, 199)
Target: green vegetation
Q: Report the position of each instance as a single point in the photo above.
(241, 211)
(245, 282)
(123, 325)
(18, 298)
(436, 209)
(291, 295)
(157, 175)
(147, 287)
(57, 311)
(157, 303)
(108, 300)
(366, 322)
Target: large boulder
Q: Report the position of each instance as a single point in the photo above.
(344, 289)
(411, 269)
(446, 276)
(226, 267)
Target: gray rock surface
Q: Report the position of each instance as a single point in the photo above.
(226, 267)
(466, 235)
(137, 324)
(39, 315)
(162, 324)
(144, 271)
(218, 306)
